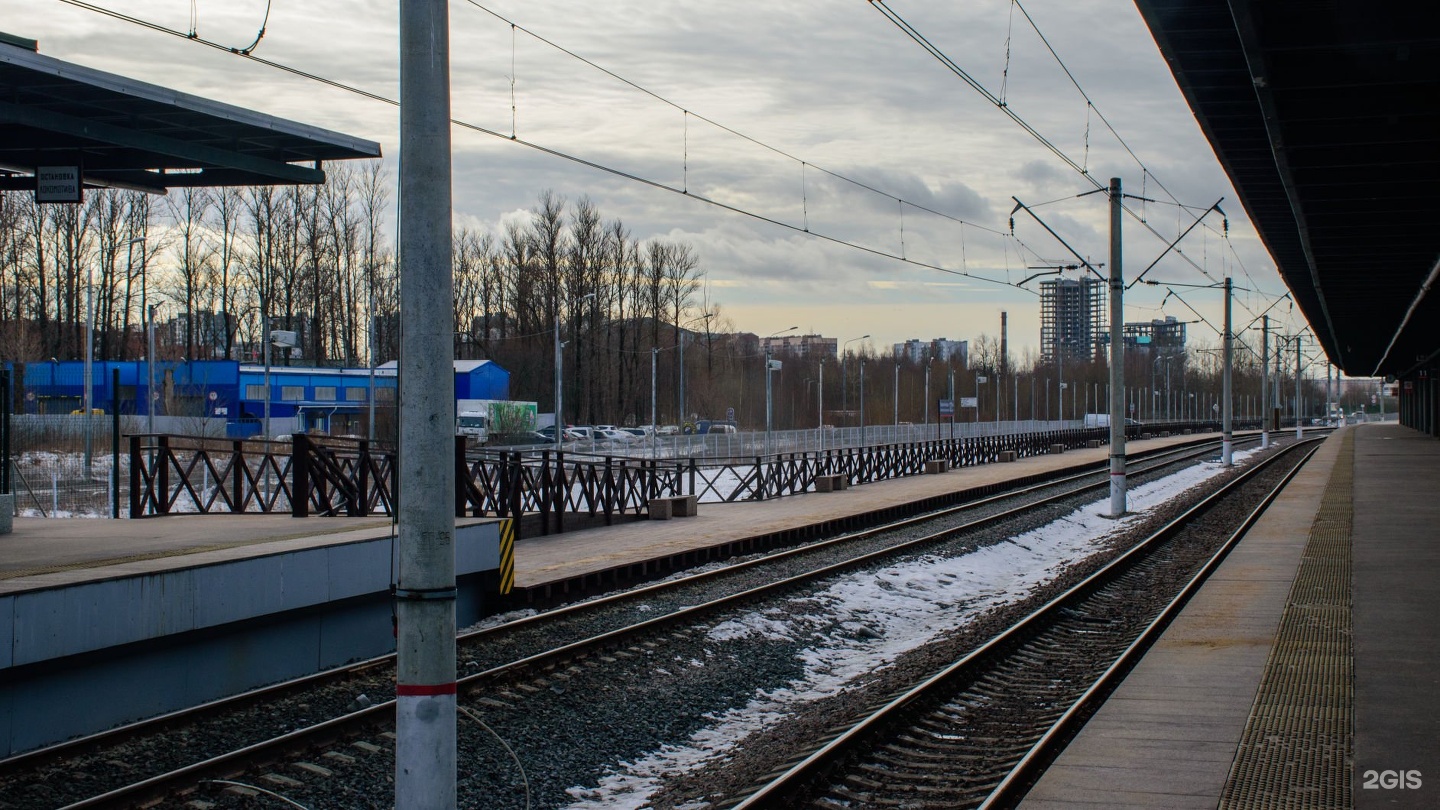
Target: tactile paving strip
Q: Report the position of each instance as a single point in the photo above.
(1298, 748)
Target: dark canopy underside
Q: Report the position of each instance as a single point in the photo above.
(1325, 116)
(130, 134)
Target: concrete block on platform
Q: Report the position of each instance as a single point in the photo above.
(1092, 443)
(1056, 449)
(938, 465)
(673, 506)
(1007, 456)
(829, 483)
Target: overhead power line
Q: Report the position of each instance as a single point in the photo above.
(682, 191)
(1003, 105)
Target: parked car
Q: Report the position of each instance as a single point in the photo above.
(639, 433)
(614, 436)
(667, 430)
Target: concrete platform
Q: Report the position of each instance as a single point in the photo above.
(194, 609)
(170, 597)
(573, 555)
(1175, 733)
(44, 553)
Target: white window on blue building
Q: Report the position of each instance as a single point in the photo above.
(292, 393)
(355, 394)
(254, 392)
(324, 393)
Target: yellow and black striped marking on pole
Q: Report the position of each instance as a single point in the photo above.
(507, 555)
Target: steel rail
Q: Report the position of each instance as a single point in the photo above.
(784, 787)
(1013, 787)
(181, 717)
(228, 764)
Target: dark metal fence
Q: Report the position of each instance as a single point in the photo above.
(355, 477)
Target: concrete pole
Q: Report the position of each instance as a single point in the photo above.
(654, 393)
(370, 342)
(1227, 436)
(150, 373)
(767, 397)
(425, 759)
(1265, 383)
(897, 393)
(820, 417)
(926, 402)
(862, 402)
(264, 336)
(89, 361)
(559, 410)
(1117, 357)
(1060, 383)
(950, 392)
(1299, 423)
(682, 374)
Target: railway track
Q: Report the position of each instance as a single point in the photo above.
(493, 657)
(980, 731)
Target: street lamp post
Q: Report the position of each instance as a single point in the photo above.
(768, 397)
(926, 402)
(559, 373)
(978, 380)
(820, 408)
(862, 402)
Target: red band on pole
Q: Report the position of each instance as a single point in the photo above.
(424, 690)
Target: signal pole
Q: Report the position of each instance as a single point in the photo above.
(425, 759)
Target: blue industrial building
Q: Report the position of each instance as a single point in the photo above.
(327, 400)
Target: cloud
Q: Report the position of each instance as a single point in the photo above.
(834, 87)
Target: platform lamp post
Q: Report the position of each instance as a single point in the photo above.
(845, 377)
(768, 369)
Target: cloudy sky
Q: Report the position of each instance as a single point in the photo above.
(827, 94)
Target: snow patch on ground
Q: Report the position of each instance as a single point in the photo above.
(881, 615)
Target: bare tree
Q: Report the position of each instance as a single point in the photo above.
(188, 209)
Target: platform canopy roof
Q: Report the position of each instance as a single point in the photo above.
(130, 134)
(1325, 116)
